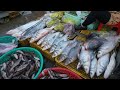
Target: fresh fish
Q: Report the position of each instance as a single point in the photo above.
(59, 49)
(102, 64)
(47, 38)
(72, 56)
(85, 59)
(15, 64)
(4, 75)
(32, 31)
(41, 34)
(22, 28)
(66, 51)
(93, 67)
(93, 43)
(110, 66)
(64, 38)
(51, 40)
(41, 40)
(108, 46)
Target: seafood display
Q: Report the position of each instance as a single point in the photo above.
(55, 75)
(22, 65)
(95, 52)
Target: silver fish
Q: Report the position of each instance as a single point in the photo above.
(85, 59)
(93, 67)
(66, 51)
(64, 38)
(41, 40)
(102, 64)
(15, 64)
(21, 67)
(47, 38)
(110, 66)
(51, 40)
(4, 75)
(72, 56)
(41, 34)
(59, 49)
(35, 28)
(108, 46)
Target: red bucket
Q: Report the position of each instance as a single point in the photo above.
(71, 74)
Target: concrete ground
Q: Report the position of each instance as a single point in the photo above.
(21, 20)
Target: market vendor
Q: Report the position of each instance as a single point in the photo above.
(110, 18)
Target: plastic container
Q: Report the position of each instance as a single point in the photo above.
(44, 53)
(6, 57)
(73, 67)
(71, 74)
(7, 39)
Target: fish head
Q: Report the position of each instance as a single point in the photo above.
(99, 54)
(55, 54)
(92, 74)
(62, 58)
(86, 68)
(99, 71)
(78, 65)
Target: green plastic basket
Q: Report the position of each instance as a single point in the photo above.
(7, 39)
(5, 57)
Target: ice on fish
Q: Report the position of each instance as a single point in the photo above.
(102, 64)
(110, 66)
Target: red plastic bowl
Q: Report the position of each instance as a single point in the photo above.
(71, 74)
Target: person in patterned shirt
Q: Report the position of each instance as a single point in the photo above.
(110, 18)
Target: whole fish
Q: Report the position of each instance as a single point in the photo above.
(72, 56)
(22, 28)
(94, 43)
(102, 64)
(40, 34)
(85, 59)
(93, 67)
(108, 46)
(66, 51)
(41, 40)
(35, 28)
(110, 66)
(51, 40)
(47, 38)
(64, 38)
(59, 49)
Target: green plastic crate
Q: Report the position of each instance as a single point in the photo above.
(5, 57)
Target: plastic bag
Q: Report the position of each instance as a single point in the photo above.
(57, 15)
(72, 19)
(59, 27)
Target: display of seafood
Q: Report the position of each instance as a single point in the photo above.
(21, 65)
(55, 75)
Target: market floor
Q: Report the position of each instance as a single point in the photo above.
(21, 20)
